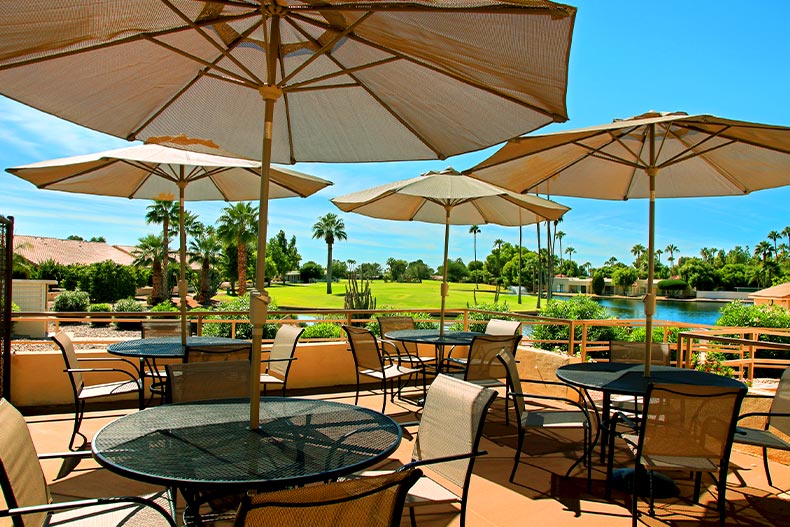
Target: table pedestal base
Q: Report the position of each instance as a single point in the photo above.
(663, 485)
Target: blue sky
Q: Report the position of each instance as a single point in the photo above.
(724, 58)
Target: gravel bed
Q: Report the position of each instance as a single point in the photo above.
(78, 331)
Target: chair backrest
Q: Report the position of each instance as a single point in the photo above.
(513, 382)
(162, 328)
(482, 363)
(223, 352)
(21, 477)
(395, 323)
(452, 423)
(634, 352)
(689, 420)
(781, 404)
(201, 381)
(498, 326)
(283, 347)
(365, 348)
(66, 345)
(370, 501)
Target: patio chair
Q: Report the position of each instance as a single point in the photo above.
(447, 443)
(494, 326)
(777, 418)
(200, 381)
(577, 413)
(370, 360)
(27, 499)
(634, 353)
(221, 352)
(281, 356)
(375, 501)
(83, 391)
(683, 427)
(406, 351)
(154, 329)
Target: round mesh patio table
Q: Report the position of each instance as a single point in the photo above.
(163, 347)
(208, 446)
(431, 336)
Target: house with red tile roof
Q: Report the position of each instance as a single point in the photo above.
(778, 295)
(39, 249)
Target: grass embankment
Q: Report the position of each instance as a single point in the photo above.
(423, 295)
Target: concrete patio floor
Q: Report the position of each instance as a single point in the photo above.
(539, 496)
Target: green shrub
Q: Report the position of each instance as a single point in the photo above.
(575, 308)
(243, 330)
(598, 283)
(14, 307)
(100, 308)
(49, 270)
(72, 276)
(637, 334)
(478, 321)
(128, 305)
(71, 301)
(108, 281)
(322, 330)
(739, 314)
(166, 306)
(422, 320)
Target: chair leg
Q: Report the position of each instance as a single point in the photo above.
(652, 509)
(634, 494)
(721, 486)
(517, 459)
(384, 389)
(356, 397)
(412, 517)
(697, 486)
(79, 410)
(767, 470)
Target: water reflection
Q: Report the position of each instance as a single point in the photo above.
(674, 310)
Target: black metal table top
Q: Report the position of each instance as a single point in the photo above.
(431, 336)
(163, 347)
(209, 444)
(629, 379)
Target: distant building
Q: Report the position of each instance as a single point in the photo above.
(38, 249)
(778, 295)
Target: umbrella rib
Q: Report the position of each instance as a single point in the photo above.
(288, 124)
(224, 52)
(469, 82)
(300, 86)
(119, 42)
(107, 162)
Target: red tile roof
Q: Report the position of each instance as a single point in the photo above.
(777, 291)
(37, 249)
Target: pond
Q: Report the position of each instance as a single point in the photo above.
(674, 310)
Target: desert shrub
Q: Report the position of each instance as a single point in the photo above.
(243, 330)
(71, 301)
(575, 308)
(478, 321)
(100, 308)
(127, 305)
(322, 330)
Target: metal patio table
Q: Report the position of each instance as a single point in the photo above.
(629, 379)
(207, 448)
(432, 336)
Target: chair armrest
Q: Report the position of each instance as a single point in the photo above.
(444, 459)
(284, 359)
(409, 423)
(108, 359)
(63, 455)
(763, 414)
(621, 417)
(101, 370)
(52, 507)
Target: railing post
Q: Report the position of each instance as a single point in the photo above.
(571, 339)
(584, 341)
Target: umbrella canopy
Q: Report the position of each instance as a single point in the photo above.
(654, 155)
(159, 171)
(449, 198)
(294, 80)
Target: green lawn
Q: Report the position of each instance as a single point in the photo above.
(423, 295)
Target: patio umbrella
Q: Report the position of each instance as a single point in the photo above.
(294, 80)
(654, 155)
(161, 171)
(449, 198)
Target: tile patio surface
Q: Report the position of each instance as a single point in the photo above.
(541, 495)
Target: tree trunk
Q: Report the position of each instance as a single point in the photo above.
(165, 291)
(156, 279)
(329, 269)
(204, 292)
(242, 268)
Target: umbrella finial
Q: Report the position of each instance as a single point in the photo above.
(181, 140)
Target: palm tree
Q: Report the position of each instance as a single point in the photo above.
(474, 230)
(330, 228)
(638, 250)
(570, 251)
(659, 252)
(559, 235)
(671, 249)
(164, 213)
(773, 236)
(786, 232)
(150, 252)
(205, 248)
(763, 250)
(498, 252)
(238, 225)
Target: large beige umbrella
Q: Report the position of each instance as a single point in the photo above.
(654, 155)
(161, 171)
(294, 80)
(449, 198)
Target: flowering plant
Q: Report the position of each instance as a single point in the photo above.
(712, 362)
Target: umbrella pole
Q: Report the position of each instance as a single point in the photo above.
(445, 287)
(259, 300)
(182, 282)
(650, 297)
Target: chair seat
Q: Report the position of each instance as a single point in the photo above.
(270, 379)
(415, 360)
(425, 492)
(115, 514)
(692, 463)
(554, 419)
(762, 438)
(389, 372)
(110, 388)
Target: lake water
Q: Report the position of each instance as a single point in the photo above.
(678, 311)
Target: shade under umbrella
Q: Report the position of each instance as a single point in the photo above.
(162, 172)
(450, 198)
(294, 80)
(654, 155)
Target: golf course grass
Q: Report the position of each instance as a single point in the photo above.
(424, 295)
